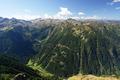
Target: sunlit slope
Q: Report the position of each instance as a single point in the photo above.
(11, 69)
(92, 77)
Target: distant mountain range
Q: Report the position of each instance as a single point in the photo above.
(63, 47)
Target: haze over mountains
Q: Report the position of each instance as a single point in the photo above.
(53, 49)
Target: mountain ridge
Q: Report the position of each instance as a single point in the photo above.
(63, 47)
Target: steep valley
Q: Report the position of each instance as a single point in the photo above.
(53, 49)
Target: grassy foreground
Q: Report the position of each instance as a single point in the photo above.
(92, 77)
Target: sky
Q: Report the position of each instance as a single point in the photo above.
(60, 9)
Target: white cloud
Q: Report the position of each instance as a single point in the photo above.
(115, 1)
(81, 13)
(92, 17)
(87, 17)
(47, 16)
(75, 17)
(25, 16)
(64, 12)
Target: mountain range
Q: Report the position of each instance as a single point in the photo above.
(54, 49)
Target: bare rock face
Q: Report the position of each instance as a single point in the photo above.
(20, 76)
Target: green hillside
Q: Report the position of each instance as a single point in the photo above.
(12, 69)
(53, 49)
(87, 47)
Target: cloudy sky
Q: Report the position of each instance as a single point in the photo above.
(60, 9)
